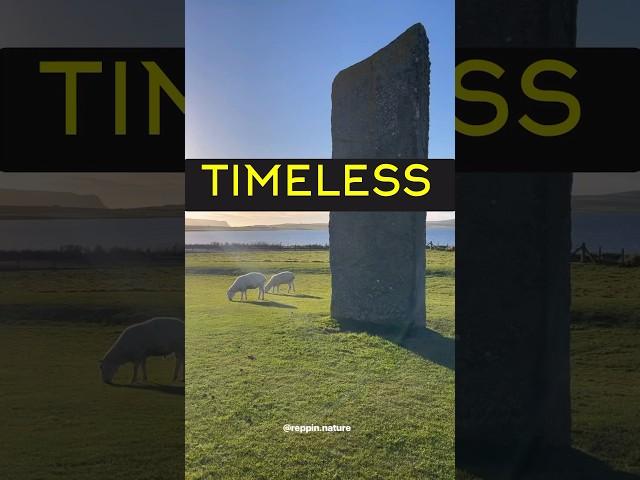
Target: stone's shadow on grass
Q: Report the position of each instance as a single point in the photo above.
(296, 295)
(490, 462)
(431, 345)
(427, 343)
(156, 387)
(269, 303)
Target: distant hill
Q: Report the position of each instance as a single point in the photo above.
(40, 212)
(281, 226)
(626, 202)
(442, 223)
(34, 198)
(204, 223)
(287, 226)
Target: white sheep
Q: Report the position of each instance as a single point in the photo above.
(281, 278)
(246, 282)
(159, 336)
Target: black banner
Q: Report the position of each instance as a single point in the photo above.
(320, 185)
(541, 109)
(90, 110)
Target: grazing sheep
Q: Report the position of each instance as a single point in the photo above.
(159, 336)
(281, 279)
(245, 282)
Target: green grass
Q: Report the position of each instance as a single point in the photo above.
(605, 363)
(103, 295)
(605, 370)
(253, 367)
(58, 419)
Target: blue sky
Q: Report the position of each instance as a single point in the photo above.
(259, 72)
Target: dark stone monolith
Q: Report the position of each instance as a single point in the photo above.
(380, 110)
(512, 273)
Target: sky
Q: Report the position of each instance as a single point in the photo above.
(96, 23)
(91, 23)
(612, 23)
(259, 75)
(116, 190)
(608, 23)
(259, 79)
(259, 72)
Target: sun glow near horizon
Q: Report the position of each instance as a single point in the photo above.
(243, 219)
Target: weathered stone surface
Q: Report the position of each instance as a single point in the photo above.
(381, 110)
(380, 106)
(512, 269)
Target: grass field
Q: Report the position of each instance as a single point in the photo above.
(253, 367)
(605, 374)
(58, 419)
(605, 364)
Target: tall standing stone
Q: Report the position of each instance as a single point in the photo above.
(513, 286)
(380, 110)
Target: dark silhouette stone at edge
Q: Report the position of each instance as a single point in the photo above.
(535, 463)
(513, 235)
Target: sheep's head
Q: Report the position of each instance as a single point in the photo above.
(268, 287)
(230, 293)
(108, 371)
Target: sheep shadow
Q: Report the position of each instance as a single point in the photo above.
(296, 295)
(156, 387)
(492, 462)
(269, 303)
(422, 341)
